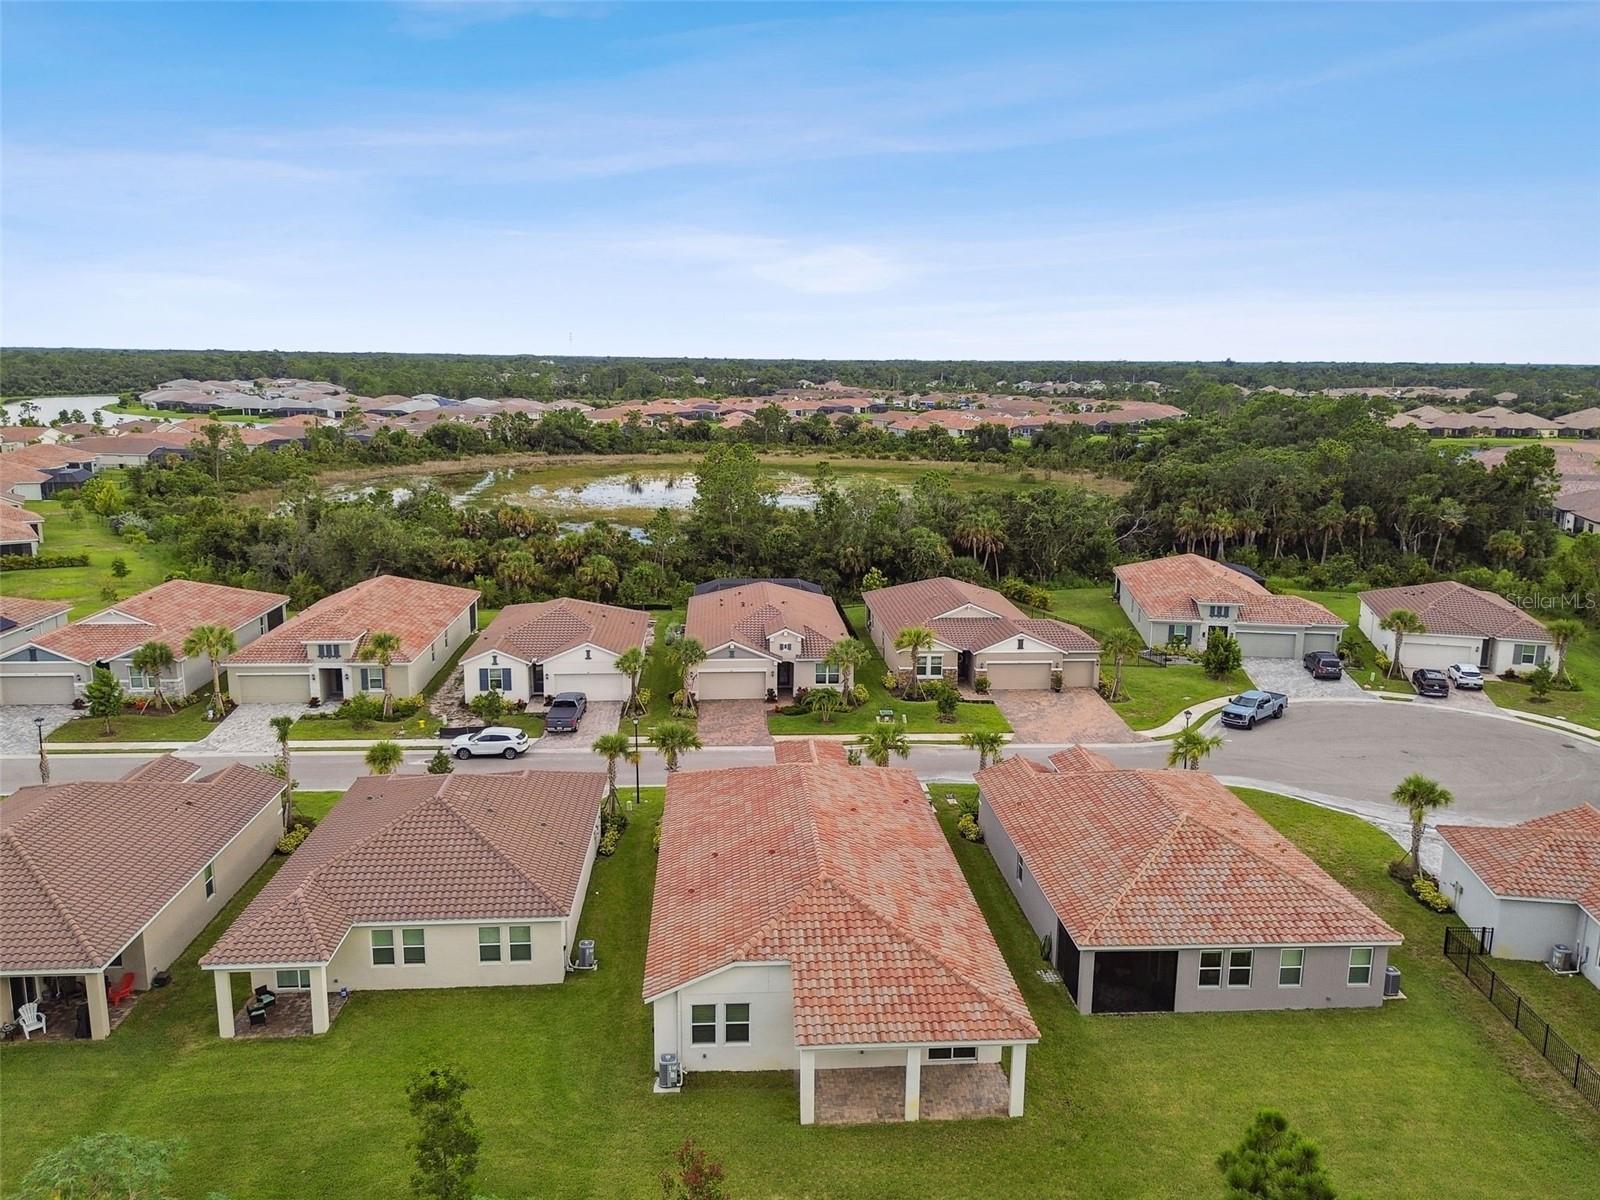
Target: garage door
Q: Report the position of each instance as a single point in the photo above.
(1321, 641)
(731, 685)
(269, 689)
(1079, 674)
(1011, 676)
(606, 685)
(1266, 645)
(36, 689)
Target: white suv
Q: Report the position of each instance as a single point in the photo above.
(1465, 675)
(495, 740)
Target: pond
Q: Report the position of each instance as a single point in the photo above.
(48, 408)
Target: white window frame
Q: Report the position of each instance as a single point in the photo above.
(366, 676)
(729, 1024)
(1353, 966)
(497, 945)
(393, 950)
(338, 653)
(421, 944)
(1218, 612)
(828, 676)
(1219, 967)
(695, 1024)
(513, 943)
(1298, 967)
(302, 981)
(952, 1054)
(1525, 654)
(1249, 968)
(209, 875)
(138, 681)
(926, 669)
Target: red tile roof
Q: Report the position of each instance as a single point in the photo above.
(168, 613)
(21, 611)
(415, 611)
(843, 873)
(423, 848)
(749, 614)
(85, 866)
(1448, 607)
(535, 632)
(1173, 588)
(1548, 858)
(810, 751)
(921, 603)
(1166, 858)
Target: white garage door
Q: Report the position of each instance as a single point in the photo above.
(269, 689)
(731, 685)
(1012, 676)
(1266, 645)
(1321, 641)
(601, 685)
(36, 689)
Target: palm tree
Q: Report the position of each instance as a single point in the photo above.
(597, 573)
(631, 663)
(1563, 632)
(849, 656)
(673, 738)
(383, 757)
(1189, 746)
(153, 660)
(916, 639)
(1401, 622)
(1121, 645)
(216, 642)
(687, 654)
(825, 701)
(881, 741)
(381, 648)
(1506, 546)
(614, 746)
(517, 571)
(281, 727)
(1419, 796)
(1450, 515)
(1364, 521)
(986, 743)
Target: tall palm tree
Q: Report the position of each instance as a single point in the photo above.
(987, 743)
(881, 741)
(1506, 546)
(1449, 516)
(281, 727)
(674, 738)
(216, 642)
(1563, 632)
(1189, 746)
(614, 746)
(597, 573)
(631, 663)
(849, 656)
(1121, 645)
(381, 648)
(687, 654)
(1364, 521)
(383, 757)
(153, 660)
(1419, 796)
(916, 639)
(1401, 622)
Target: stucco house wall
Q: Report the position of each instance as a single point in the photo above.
(1324, 982)
(1438, 651)
(1523, 929)
(591, 670)
(767, 988)
(1041, 916)
(23, 634)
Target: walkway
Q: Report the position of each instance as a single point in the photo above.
(1288, 676)
(1074, 715)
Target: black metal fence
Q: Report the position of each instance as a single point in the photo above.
(1468, 950)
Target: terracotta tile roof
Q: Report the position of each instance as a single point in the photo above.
(19, 610)
(1548, 858)
(535, 632)
(920, 603)
(415, 611)
(810, 751)
(1448, 607)
(423, 848)
(168, 613)
(1076, 758)
(84, 866)
(1167, 858)
(750, 613)
(843, 873)
(169, 768)
(1173, 588)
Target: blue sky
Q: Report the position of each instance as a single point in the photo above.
(1294, 181)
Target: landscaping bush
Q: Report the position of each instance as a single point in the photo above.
(361, 710)
(1541, 681)
(655, 836)
(1056, 681)
(1222, 656)
(41, 562)
(967, 827)
(403, 707)
(440, 763)
(981, 685)
(488, 707)
(609, 840)
(290, 842)
(1425, 890)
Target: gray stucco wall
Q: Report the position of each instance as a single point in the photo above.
(1032, 901)
(1323, 983)
(1524, 929)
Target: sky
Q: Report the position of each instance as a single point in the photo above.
(1370, 182)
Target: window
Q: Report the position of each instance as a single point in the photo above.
(521, 943)
(1217, 610)
(372, 679)
(210, 876)
(494, 679)
(1526, 654)
(294, 981)
(328, 650)
(138, 680)
(1360, 967)
(489, 943)
(827, 674)
(1210, 968)
(1019, 867)
(1019, 643)
(1291, 967)
(413, 947)
(736, 1023)
(785, 645)
(957, 1053)
(703, 1024)
(930, 665)
(1178, 633)
(1240, 963)
(383, 948)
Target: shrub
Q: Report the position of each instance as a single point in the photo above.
(655, 836)
(41, 562)
(290, 842)
(1540, 681)
(967, 827)
(609, 840)
(119, 567)
(361, 710)
(858, 695)
(1222, 656)
(440, 763)
(890, 681)
(946, 699)
(1056, 681)
(1426, 891)
(981, 685)
(489, 706)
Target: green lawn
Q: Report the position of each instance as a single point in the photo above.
(186, 725)
(660, 678)
(311, 728)
(1117, 1107)
(1091, 609)
(1570, 1003)
(314, 804)
(1583, 665)
(81, 586)
(1156, 694)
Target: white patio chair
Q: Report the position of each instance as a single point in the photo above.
(30, 1018)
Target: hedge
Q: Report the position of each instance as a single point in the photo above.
(38, 562)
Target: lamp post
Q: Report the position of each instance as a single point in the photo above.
(44, 758)
(1187, 713)
(636, 762)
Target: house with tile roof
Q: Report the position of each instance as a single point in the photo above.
(1464, 625)
(421, 881)
(22, 620)
(1583, 423)
(1536, 884)
(762, 636)
(100, 879)
(809, 916)
(534, 650)
(55, 666)
(1161, 891)
(316, 655)
(978, 632)
(21, 531)
(1578, 510)
(1187, 597)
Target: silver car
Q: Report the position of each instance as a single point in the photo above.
(1465, 676)
(496, 740)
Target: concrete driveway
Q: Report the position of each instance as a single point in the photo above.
(1073, 715)
(734, 723)
(19, 735)
(1286, 675)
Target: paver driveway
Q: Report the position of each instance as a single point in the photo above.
(599, 717)
(734, 723)
(248, 729)
(1057, 718)
(1288, 676)
(18, 733)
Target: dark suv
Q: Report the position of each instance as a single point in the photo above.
(564, 713)
(1429, 682)
(1323, 664)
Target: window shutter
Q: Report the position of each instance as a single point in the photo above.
(483, 679)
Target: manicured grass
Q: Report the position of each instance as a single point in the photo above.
(1583, 706)
(1570, 1003)
(160, 414)
(313, 728)
(660, 677)
(314, 804)
(147, 565)
(1117, 1107)
(186, 725)
(1156, 694)
(1091, 609)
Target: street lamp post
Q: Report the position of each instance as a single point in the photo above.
(636, 761)
(44, 758)
(1187, 713)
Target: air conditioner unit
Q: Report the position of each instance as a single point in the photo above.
(1391, 982)
(1562, 960)
(669, 1074)
(586, 960)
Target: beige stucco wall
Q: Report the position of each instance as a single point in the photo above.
(452, 952)
(767, 988)
(596, 676)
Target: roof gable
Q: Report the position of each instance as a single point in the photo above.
(1556, 857)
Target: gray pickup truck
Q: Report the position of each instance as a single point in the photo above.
(1245, 709)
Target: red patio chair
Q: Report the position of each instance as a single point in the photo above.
(121, 990)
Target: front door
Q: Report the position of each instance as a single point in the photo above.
(786, 677)
(538, 679)
(1486, 652)
(332, 683)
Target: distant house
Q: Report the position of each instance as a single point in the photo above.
(21, 531)
(317, 654)
(1187, 597)
(421, 881)
(1464, 625)
(104, 879)
(22, 620)
(1578, 511)
(1536, 884)
(977, 631)
(810, 917)
(763, 636)
(1161, 891)
(1583, 423)
(55, 666)
(565, 645)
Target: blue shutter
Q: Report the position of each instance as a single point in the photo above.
(483, 679)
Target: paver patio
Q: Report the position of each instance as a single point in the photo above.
(1075, 715)
(877, 1095)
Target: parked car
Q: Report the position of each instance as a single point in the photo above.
(565, 711)
(1465, 676)
(1324, 664)
(1429, 682)
(497, 740)
(1245, 709)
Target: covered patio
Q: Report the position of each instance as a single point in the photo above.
(912, 1091)
(290, 1015)
(59, 997)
